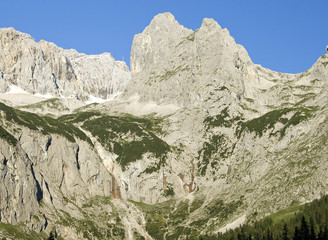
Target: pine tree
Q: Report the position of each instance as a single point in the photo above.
(312, 232)
(269, 235)
(285, 233)
(320, 235)
(325, 234)
(304, 231)
(296, 234)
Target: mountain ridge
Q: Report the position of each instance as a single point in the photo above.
(60, 72)
(201, 137)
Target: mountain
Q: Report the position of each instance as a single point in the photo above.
(200, 141)
(44, 68)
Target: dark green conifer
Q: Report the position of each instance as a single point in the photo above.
(304, 231)
(285, 233)
(296, 234)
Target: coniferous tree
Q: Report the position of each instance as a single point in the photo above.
(285, 233)
(312, 232)
(296, 234)
(269, 235)
(304, 231)
(240, 237)
(325, 234)
(320, 235)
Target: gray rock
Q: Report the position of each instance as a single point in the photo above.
(45, 68)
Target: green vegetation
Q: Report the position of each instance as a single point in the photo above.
(79, 117)
(7, 136)
(308, 221)
(17, 232)
(249, 100)
(53, 103)
(191, 37)
(156, 217)
(171, 218)
(197, 203)
(170, 73)
(100, 225)
(97, 200)
(127, 136)
(222, 210)
(169, 191)
(43, 124)
(267, 121)
(222, 120)
(219, 146)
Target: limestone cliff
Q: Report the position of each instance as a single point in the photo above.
(45, 68)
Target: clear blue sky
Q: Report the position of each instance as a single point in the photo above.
(283, 35)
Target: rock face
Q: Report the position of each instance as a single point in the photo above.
(45, 68)
(201, 139)
(172, 64)
(20, 191)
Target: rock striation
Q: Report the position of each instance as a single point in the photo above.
(45, 68)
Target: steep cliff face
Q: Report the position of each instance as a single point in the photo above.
(45, 68)
(172, 64)
(200, 138)
(20, 190)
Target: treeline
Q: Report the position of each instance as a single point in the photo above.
(310, 222)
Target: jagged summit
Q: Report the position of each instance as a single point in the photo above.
(173, 61)
(164, 16)
(44, 68)
(210, 22)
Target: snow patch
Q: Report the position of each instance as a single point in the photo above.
(140, 108)
(48, 95)
(16, 90)
(93, 99)
(234, 224)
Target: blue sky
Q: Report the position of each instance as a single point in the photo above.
(283, 35)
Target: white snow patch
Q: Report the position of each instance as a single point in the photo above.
(139, 108)
(48, 95)
(234, 224)
(94, 99)
(16, 90)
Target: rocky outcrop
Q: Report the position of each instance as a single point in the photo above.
(20, 190)
(45, 68)
(172, 64)
(43, 171)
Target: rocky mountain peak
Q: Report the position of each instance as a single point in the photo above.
(210, 23)
(150, 46)
(173, 61)
(163, 17)
(12, 34)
